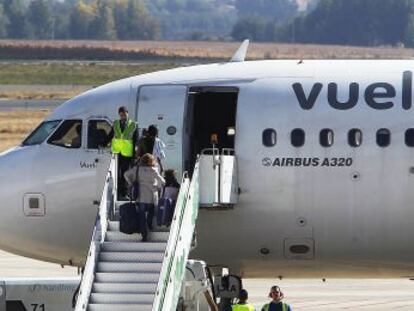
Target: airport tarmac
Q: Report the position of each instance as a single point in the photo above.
(303, 295)
(335, 295)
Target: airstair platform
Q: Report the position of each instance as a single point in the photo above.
(123, 273)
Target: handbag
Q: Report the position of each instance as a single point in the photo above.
(135, 186)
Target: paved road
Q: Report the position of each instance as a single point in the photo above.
(304, 295)
(7, 105)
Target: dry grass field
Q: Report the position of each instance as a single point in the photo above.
(156, 50)
(16, 125)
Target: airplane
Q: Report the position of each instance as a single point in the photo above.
(325, 165)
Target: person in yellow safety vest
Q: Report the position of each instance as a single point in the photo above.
(242, 304)
(124, 136)
(276, 304)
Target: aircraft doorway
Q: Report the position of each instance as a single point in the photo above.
(211, 113)
(212, 132)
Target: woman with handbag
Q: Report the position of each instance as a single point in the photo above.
(148, 181)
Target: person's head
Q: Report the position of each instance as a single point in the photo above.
(243, 295)
(152, 131)
(170, 176)
(147, 160)
(123, 113)
(275, 293)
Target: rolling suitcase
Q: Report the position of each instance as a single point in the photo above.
(169, 213)
(165, 212)
(129, 221)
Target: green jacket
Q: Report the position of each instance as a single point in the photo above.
(243, 307)
(123, 140)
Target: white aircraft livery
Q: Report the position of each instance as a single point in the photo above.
(325, 166)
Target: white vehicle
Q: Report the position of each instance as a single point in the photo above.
(322, 176)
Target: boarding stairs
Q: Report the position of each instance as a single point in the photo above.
(123, 273)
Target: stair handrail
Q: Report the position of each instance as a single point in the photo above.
(178, 245)
(98, 236)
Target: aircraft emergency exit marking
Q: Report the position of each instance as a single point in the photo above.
(377, 95)
(307, 162)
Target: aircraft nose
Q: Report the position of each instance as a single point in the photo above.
(11, 172)
(14, 178)
(5, 171)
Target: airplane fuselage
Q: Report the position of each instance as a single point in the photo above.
(325, 168)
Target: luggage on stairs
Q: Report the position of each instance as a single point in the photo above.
(128, 218)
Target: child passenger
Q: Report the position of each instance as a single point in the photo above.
(172, 187)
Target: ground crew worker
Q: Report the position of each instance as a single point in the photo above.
(124, 136)
(276, 304)
(242, 304)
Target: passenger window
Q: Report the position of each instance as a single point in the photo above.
(326, 138)
(383, 137)
(409, 137)
(355, 138)
(98, 134)
(269, 137)
(68, 135)
(297, 137)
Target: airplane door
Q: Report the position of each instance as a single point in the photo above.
(165, 106)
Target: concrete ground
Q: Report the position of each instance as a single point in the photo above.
(21, 267)
(333, 295)
(303, 295)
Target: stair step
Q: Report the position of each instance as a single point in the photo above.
(119, 298)
(128, 288)
(113, 226)
(119, 203)
(113, 236)
(111, 277)
(131, 257)
(120, 307)
(133, 247)
(129, 267)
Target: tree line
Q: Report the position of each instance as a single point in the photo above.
(343, 22)
(69, 19)
(358, 22)
(349, 22)
(117, 19)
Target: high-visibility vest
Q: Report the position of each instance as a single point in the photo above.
(243, 307)
(285, 307)
(123, 141)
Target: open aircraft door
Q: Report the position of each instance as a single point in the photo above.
(165, 106)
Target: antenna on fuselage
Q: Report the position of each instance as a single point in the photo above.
(241, 53)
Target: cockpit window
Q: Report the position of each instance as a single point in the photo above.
(68, 135)
(99, 134)
(42, 132)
